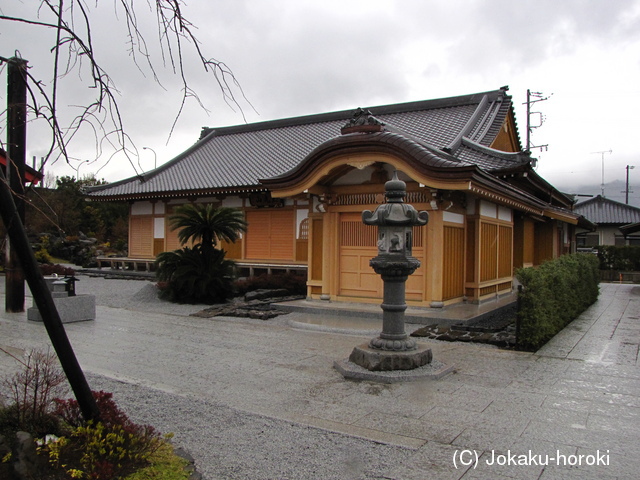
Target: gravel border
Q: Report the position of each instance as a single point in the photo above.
(231, 444)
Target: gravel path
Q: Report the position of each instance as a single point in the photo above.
(230, 444)
(227, 443)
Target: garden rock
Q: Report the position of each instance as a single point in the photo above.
(502, 338)
(27, 463)
(256, 309)
(496, 328)
(191, 468)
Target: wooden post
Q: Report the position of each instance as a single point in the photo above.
(21, 249)
(16, 161)
(46, 306)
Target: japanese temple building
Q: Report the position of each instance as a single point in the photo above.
(303, 183)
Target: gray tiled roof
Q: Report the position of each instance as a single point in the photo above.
(601, 210)
(236, 158)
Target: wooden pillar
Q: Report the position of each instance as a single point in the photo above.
(46, 306)
(315, 255)
(472, 281)
(16, 164)
(434, 253)
(328, 254)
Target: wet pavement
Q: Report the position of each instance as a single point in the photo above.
(571, 410)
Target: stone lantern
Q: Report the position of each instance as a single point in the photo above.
(393, 349)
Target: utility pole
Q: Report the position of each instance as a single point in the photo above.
(602, 152)
(537, 97)
(626, 190)
(16, 162)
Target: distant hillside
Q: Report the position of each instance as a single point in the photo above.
(614, 191)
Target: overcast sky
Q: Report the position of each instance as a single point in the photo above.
(298, 57)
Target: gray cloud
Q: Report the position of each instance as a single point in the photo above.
(295, 58)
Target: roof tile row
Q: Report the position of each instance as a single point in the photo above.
(239, 156)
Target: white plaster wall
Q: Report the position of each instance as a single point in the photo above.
(504, 213)
(607, 235)
(453, 217)
(142, 208)
(488, 209)
(158, 228)
(232, 202)
(355, 177)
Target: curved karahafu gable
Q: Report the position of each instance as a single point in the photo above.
(366, 140)
(357, 149)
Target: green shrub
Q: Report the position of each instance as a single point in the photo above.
(625, 258)
(41, 250)
(57, 269)
(114, 448)
(189, 276)
(553, 295)
(109, 449)
(99, 452)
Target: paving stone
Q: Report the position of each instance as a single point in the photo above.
(423, 428)
(506, 465)
(485, 439)
(433, 458)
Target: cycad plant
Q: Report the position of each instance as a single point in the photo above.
(200, 274)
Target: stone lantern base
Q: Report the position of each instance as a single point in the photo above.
(376, 360)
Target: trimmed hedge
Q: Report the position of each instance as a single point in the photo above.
(553, 295)
(621, 259)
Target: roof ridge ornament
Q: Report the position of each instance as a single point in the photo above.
(362, 121)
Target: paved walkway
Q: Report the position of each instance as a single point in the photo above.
(577, 400)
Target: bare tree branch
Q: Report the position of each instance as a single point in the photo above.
(74, 51)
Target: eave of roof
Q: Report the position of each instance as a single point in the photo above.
(630, 228)
(528, 179)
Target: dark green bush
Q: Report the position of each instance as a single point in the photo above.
(60, 270)
(553, 295)
(622, 259)
(189, 276)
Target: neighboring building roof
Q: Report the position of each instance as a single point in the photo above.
(457, 131)
(630, 229)
(603, 211)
